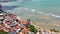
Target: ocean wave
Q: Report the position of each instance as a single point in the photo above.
(53, 15)
(33, 10)
(57, 16)
(40, 12)
(49, 14)
(26, 8)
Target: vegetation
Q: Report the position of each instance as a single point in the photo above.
(32, 29)
(29, 20)
(54, 30)
(2, 32)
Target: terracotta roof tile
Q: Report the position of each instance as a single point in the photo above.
(19, 27)
(12, 29)
(25, 30)
(8, 22)
(24, 22)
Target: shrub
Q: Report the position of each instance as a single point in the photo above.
(32, 29)
(2, 32)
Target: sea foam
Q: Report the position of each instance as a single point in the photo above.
(33, 10)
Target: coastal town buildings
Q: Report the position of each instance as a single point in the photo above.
(12, 23)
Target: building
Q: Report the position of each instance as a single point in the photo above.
(2, 14)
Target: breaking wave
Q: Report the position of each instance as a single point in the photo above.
(40, 12)
(11, 4)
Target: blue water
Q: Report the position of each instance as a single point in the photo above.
(39, 3)
(43, 3)
(51, 7)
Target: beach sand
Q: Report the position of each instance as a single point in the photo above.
(46, 22)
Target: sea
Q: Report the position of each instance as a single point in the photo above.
(45, 7)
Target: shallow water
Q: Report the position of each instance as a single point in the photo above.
(46, 7)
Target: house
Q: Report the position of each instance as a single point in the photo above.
(13, 24)
(2, 14)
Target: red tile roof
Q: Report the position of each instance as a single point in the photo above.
(24, 22)
(25, 30)
(5, 29)
(19, 27)
(12, 29)
(8, 22)
(20, 33)
(11, 15)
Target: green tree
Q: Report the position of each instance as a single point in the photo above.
(2, 32)
(29, 20)
(54, 30)
(32, 29)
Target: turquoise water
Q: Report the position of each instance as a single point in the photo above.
(44, 5)
(39, 3)
(48, 7)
